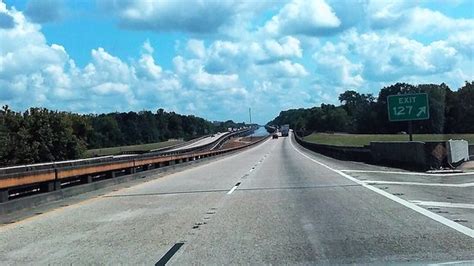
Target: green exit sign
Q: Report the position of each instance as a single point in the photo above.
(407, 107)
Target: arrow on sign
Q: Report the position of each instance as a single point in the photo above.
(421, 110)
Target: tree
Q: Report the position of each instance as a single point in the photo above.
(358, 108)
(450, 112)
(437, 102)
(465, 119)
(41, 135)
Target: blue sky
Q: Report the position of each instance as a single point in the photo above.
(216, 59)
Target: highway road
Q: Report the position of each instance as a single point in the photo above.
(201, 142)
(275, 203)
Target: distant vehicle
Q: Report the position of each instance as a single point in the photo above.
(274, 136)
(284, 129)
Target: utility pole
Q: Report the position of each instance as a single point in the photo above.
(250, 119)
(250, 115)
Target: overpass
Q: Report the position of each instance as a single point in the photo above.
(270, 203)
(202, 142)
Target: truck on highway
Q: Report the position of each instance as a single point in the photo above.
(284, 129)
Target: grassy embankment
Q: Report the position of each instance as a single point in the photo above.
(131, 148)
(341, 139)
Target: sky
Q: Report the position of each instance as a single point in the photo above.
(216, 59)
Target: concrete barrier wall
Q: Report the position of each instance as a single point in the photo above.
(410, 154)
(414, 155)
(360, 154)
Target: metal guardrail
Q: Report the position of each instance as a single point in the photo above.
(52, 176)
(53, 165)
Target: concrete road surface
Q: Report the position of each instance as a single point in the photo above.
(276, 203)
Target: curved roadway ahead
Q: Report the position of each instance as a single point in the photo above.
(201, 142)
(275, 203)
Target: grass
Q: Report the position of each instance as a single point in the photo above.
(341, 139)
(141, 147)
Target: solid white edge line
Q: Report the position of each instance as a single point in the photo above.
(232, 190)
(406, 173)
(380, 182)
(454, 262)
(460, 228)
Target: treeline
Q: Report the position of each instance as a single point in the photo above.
(42, 135)
(450, 112)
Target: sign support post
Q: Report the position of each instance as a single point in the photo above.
(410, 129)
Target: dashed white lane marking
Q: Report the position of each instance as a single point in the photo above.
(458, 227)
(232, 190)
(443, 204)
(376, 182)
(406, 173)
(244, 176)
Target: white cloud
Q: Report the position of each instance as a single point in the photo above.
(266, 65)
(196, 47)
(24, 48)
(367, 61)
(146, 67)
(334, 68)
(427, 21)
(225, 56)
(287, 47)
(205, 81)
(110, 88)
(195, 17)
(284, 69)
(409, 19)
(388, 13)
(31, 71)
(389, 57)
(147, 48)
(464, 43)
(304, 17)
(108, 67)
(194, 75)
